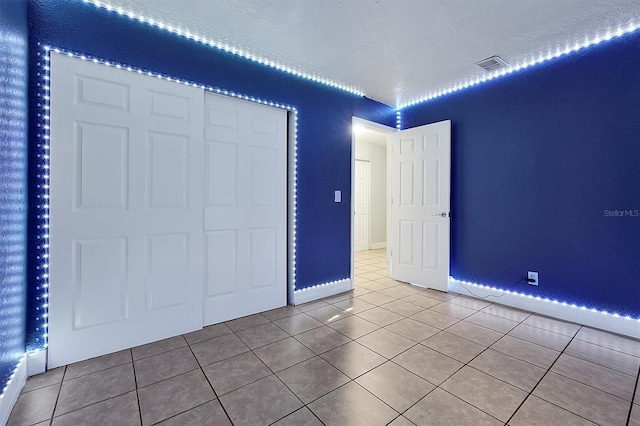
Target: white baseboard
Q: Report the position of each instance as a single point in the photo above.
(616, 324)
(36, 362)
(378, 246)
(12, 390)
(322, 290)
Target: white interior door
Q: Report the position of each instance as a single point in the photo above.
(362, 218)
(420, 174)
(126, 209)
(245, 214)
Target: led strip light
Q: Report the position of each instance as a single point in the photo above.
(609, 35)
(224, 47)
(43, 147)
(547, 300)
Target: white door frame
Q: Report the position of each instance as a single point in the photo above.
(378, 128)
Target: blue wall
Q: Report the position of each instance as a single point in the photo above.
(537, 158)
(13, 171)
(324, 125)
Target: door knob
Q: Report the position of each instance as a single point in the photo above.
(443, 214)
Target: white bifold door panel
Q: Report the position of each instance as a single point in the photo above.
(126, 240)
(362, 205)
(245, 216)
(419, 173)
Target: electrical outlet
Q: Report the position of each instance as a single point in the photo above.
(533, 276)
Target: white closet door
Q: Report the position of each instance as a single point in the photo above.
(245, 208)
(126, 209)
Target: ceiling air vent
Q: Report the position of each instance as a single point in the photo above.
(492, 64)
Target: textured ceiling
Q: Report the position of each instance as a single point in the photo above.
(392, 50)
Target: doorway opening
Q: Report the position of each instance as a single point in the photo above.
(370, 200)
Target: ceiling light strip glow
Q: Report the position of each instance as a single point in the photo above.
(224, 47)
(549, 301)
(533, 61)
(43, 142)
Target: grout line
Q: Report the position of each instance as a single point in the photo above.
(633, 397)
(135, 383)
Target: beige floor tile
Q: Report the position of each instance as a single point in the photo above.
(440, 295)
(353, 359)
(311, 305)
(398, 291)
(634, 419)
(48, 378)
(176, 395)
(583, 400)
(412, 329)
(209, 413)
(121, 410)
(100, 363)
(260, 403)
(453, 310)
(609, 340)
(403, 308)
(506, 312)
(536, 412)
(597, 376)
(380, 316)
(95, 387)
(35, 406)
(454, 346)
(351, 404)
(540, 337)
(489, 394)
(526, 351)
(312, 379)
(322, 339)
(353, 326)
(301, 417)
(420, 300)
(233, 373)
(428, 364)
(156, 348)
(207, 333)
(475, 333)
(354, 305)
(553, 325)
(261, 335)
(618, 361)
(328, 314)
(285, 353)
(401, 421)
(509, 369)
(397, 387)
(298, 323)
(386, 343)
(442, 408)
(376, 298)
(279, 313)
(435, 319)
(217, 349)
(164, 365)
(492, 322)
(470, 302)
(247, 322)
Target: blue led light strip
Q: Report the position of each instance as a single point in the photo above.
(42, 196)
(43, 165)
(224, 47)
(568, 49)
(547, 300)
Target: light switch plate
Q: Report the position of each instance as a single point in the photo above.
(337, 197)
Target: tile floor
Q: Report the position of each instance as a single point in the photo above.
(384, 353)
